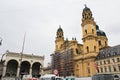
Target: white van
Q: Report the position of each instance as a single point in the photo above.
(50, 77)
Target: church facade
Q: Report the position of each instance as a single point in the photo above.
(73, 58)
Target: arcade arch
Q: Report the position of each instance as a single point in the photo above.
(12, 66)
(24, 67)
(36, 68)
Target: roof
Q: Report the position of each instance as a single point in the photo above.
(100, 32)
(59, 29)
(108, 52)
(86, 8)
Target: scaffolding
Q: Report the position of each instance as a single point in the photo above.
(63, 62)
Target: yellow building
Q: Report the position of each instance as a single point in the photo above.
(94, 39)
(84, 55)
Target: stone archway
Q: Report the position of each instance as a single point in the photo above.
(11, 70)
(116, 77)
(24, 68)
(36, 67)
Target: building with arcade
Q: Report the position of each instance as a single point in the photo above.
(18, 64)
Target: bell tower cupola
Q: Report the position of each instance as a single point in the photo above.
(93, 38)
(60, 32)
(59, 38)
(89, 32)
(87, 16)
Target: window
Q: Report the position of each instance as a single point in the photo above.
(99, 42)
(119, 67)
(109, 67)
(92, 31)
(108, 61)
(77, 51)
(105, 43)
(85, 31)
(113, 60)
(98, 70)
(105, 69)
(104, 62)
(88, 64)
(118, 59)
(101, 69)
(94, 48)
(89, 70)
(87, 49)
(115, 51)
(114, 68)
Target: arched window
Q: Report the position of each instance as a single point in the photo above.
(92, 31)
(94, 48)
(77, 51)
(85, 31)
(105, 43)
(87, 49)
(99, 42)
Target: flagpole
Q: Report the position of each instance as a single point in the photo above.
(23, 43)
(23, 46)
(22, 50)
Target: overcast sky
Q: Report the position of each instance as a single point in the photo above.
(40, 19)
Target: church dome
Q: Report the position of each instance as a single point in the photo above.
(86, 8)
(87, 14)
(101, 33)
(59, 29)
(97, 27)
(59, 32)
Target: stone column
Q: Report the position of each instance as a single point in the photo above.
(30, 70)
(4, 70)
(18, 71)
(41, 70)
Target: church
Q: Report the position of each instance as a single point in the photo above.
(73, 58)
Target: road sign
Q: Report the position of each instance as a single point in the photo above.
(56, 72)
